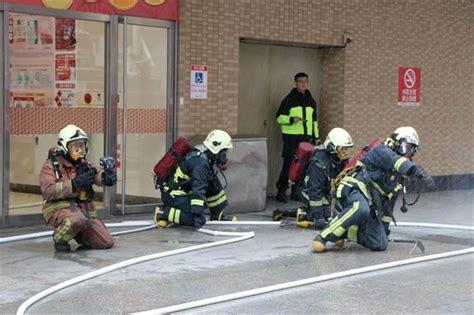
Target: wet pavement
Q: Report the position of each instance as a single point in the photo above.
(275, 255)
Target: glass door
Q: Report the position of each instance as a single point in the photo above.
(144, 110)
(56, 77)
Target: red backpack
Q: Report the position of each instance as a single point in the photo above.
(298, 165)
(377, 141)
(168, 162)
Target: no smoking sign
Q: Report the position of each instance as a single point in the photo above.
(409, 82)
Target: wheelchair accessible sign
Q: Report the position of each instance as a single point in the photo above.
(198, 82)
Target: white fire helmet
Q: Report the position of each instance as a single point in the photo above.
(337, 142)
(406, 140)
(73, 140)
(218, 140)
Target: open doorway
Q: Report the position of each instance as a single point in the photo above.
(266, 77)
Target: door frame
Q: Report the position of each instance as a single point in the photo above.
(171, 108)
(5, 138)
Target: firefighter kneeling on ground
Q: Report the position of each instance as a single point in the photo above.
(194, 185)
(66, 181)
(369, 192)
(327, 161)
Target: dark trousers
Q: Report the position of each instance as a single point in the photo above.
(357, 222)
(372, 235)
(290, 144)
(178, 209)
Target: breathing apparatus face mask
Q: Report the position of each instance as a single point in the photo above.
(221, 159)
(406, 149)
(77, 149)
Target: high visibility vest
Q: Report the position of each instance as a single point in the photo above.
(306, 126)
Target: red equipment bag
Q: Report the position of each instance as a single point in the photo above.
(377, 141)
(166, 165)
(298, 165)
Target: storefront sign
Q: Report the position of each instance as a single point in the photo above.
(198, 82)
(156, 9)
(409, 82)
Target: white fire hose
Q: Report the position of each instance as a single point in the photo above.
(239, 237)
(147, 223)
(298, 283)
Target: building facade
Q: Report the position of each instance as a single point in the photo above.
(359, 47)
(374, 65)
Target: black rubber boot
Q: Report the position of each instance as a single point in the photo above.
(295, 192)
(278, 214)
(302, 218)
(281, 196)
(62, 247)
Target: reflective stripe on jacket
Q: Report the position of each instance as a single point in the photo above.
(194, 176)
(317, 183)
(302, 106)
(56, 191)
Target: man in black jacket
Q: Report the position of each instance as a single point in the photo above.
(297, 117)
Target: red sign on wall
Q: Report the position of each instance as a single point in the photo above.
(157, 9)
(409, 82)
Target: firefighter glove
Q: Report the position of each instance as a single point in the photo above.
(109, 177)
(426, 180)
(199, 221)
(84, 180)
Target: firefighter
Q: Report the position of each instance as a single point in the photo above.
(327, 161)
(298, 120)
(368, 193)
(194, 185)
(66, 180)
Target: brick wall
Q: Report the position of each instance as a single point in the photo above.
(331, 105)
(360, 81)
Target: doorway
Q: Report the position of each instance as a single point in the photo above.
(144, 109)
(64, 70)
(266, 77)
(54, 63)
